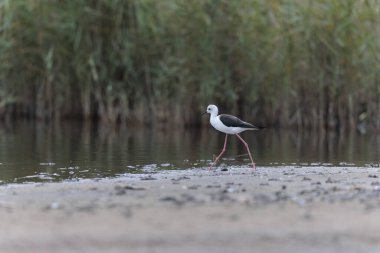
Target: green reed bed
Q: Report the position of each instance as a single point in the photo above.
(295, 63)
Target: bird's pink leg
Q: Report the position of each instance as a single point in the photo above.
(249, 153)
(221, 153)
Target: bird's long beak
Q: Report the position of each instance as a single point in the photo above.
(203, 113)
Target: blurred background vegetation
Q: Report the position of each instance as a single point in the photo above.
(290, 63)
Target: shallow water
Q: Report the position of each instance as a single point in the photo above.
(35, 152)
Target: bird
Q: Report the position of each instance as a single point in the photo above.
(229, 124)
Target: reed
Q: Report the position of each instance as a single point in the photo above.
(294, 63)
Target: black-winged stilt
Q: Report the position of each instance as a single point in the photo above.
(229, 124)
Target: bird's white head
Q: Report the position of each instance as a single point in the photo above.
(212, 109)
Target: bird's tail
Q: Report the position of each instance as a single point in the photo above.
(257, 128)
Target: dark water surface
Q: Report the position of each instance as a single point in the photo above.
(35, 152)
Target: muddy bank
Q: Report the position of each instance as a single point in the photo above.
(275, 209)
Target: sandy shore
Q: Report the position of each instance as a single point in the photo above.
(275, 209)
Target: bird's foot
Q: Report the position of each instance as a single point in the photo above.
(254, 166)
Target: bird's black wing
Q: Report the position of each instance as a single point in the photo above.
(232, 121)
